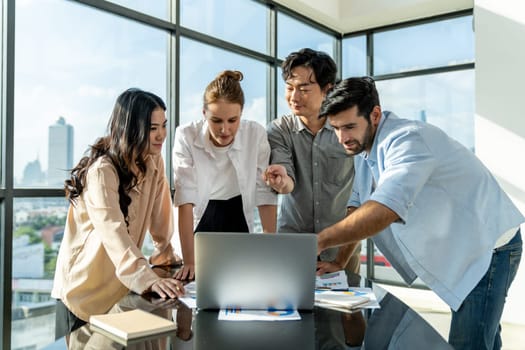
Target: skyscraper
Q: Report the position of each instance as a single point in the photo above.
(423, 115)
(60, 157)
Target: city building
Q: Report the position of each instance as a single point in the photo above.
(60, 152)
(33, 174)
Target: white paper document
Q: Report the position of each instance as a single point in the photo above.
(189, 298)
(235, 314)
(332, 280)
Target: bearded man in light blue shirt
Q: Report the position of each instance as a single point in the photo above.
(433, 209)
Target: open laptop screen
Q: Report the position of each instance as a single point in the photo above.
(255, 271)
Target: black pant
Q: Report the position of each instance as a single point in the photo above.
(223, 216)
(65, 321)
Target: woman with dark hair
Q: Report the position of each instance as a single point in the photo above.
(116, 193)
(218, 165)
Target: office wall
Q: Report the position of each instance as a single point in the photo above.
(376, 13)
(354, 15)
(500, 123)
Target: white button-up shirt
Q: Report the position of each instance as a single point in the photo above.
(194, 167)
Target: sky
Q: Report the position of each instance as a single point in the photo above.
(73, 61)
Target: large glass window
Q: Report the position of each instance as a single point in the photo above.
(37, 232)
(239, 21)
(67, 82)
(282, 105)
(445, 100)
(201, 63)
(66, 85)
(413, 89)
(354, 57)
(443, 43)
(157, 8)
(293, 35)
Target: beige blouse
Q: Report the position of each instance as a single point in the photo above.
(100, 259)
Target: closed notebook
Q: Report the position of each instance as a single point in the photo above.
(129, 325)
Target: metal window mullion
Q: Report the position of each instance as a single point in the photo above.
(338, 55)
(6, 237)
(370, 54)
(172, 88)
(272, 70)
(128, 13)
(223, 44)
(298, 16)
(426, 71)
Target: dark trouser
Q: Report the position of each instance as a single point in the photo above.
(223, 216)
(65, 321)
(476, 324)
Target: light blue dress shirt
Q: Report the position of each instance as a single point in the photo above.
(452, 209)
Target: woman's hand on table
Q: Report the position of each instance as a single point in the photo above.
(168, 288)
(186, 272)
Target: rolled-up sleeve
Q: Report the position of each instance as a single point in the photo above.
(354, 200)
(408, 164)
(280, 143)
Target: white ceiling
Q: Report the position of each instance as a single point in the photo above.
(346, 16)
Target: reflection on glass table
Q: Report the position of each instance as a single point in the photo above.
(393, 326)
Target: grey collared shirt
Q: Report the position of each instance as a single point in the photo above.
(322, 172)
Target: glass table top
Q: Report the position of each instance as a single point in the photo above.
(392, 326)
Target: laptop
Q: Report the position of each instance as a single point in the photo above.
(255, 271)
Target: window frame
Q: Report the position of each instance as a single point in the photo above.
(369, 34)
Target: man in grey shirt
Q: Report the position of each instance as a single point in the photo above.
(308, 164)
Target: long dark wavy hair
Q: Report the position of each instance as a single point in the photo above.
(126, 145)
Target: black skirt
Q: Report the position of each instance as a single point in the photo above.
(223, 216)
